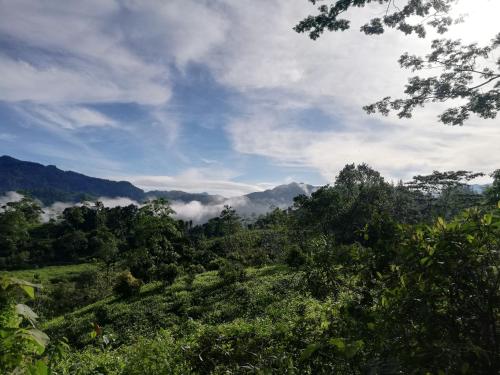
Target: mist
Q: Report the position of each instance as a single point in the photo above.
(194, 211)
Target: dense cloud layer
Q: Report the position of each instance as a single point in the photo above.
(200, 213)
(195, 211)
(10, 196)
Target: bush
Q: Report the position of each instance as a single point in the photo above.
(158, 356)
(74, 292)
(230, 272)
(295, 258)
(127, 285)
(167, 273)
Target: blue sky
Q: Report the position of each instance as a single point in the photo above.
(219, 96)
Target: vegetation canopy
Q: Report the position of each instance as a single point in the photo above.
(361, 277)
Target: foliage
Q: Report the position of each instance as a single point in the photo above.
(467, 72)
(21, 342)
(431, 305)
(230, 272)
(444, 194)
(465, 76)
(228, 222)
(493, 192)
(447, 275)
(167, 273)
(126, 285)
(360, 198)
(362, 277)
(435, 12)
(16, 220)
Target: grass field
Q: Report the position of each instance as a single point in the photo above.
(47, 274)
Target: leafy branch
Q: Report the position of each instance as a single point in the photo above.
(467, 72)
(461, 78)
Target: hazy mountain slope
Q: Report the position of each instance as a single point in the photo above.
(282, 195)
(182, 196)
(50, 184)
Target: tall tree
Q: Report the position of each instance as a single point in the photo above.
(445, 193)
(16, 220)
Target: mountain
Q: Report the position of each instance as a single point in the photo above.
(50, 184)
(479, 189)
(182, 196)
(282, 195)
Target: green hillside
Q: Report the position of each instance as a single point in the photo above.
(362, 277)
(239, 319)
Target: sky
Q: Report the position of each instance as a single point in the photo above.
(220, 96)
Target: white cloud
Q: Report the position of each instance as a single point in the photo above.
(81, 56)
(23, 81)
(215, 180)
(70, 117)
(10, 196)
(117, 202)
(56, 209)
(397, 150)
(195, 211)
(181, 31)
(169, 125)
(200, 213)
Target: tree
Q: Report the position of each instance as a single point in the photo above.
(127, 285)
(467, 72)
(228, 222)
(155, 239)
(167, 273)
(105, 246)
(431, 309)
(16, 220)
(441, 307)
(72, 246)
(493, 192)
(359, 197)
(444, 193)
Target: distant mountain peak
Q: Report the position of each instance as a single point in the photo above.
(51, 184)
(282, 194)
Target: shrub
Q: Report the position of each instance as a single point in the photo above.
(21, 343)
(167, 273)
(295, 257)
(158, 356)
(230, 272)
(127, 285)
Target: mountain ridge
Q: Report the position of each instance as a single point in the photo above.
(50, 184)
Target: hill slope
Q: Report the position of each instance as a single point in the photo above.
(50, 184)
(202, 326)
(282, 195)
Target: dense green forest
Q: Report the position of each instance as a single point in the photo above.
(362, 277)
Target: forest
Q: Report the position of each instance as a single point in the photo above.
(362, 277)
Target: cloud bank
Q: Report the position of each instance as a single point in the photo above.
(10, 196)
(194, 211)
